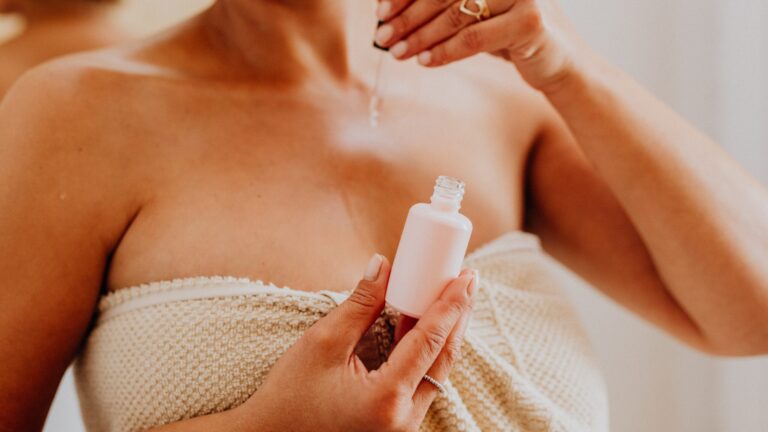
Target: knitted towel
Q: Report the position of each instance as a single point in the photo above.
(167, 351)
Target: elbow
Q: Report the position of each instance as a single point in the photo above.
(733, 350)
(748, 344)
(741, 330)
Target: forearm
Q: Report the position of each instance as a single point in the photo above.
(234, 420)
(703, 219)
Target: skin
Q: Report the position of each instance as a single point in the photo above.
(52, 31)
(698, 232)
(222, 156)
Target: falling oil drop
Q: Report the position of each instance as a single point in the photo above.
(374, 104)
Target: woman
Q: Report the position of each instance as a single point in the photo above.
(238, 144)
(53, 29)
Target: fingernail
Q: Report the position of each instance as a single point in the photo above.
(384, 34)
(399, 49)
(374, 267)
(425, 58)
(376, 44)
(473, 283)
(382, 12)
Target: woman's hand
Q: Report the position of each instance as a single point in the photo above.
(533, 34)
(320, 384)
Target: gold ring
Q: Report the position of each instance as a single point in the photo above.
(483, 11)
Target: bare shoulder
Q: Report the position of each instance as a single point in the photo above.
(503, 83)
(82, 80)
(60, 135)
(87, 101)
(74, 82)
(521, 111)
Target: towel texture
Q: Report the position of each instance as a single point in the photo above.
(167, 351)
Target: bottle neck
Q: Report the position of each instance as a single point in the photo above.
(448, 194)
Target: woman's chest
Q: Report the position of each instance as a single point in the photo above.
(303, 196)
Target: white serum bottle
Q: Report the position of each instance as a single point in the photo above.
(431, 250)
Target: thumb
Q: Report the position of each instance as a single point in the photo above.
(351, 319)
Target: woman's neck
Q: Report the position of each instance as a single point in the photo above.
(287, 40)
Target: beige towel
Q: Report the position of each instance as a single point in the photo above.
(167, 351)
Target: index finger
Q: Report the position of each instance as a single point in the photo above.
(417, 351)
(411, 18)
(389, 8)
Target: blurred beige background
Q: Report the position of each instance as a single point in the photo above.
(709, 60)
(143, 16)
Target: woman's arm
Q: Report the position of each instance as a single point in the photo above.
(648, 208)
(58, 221)
(702, 219)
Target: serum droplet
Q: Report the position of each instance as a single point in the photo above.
(374, 104)
(373, 110)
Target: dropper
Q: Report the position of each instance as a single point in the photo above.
(375, 101)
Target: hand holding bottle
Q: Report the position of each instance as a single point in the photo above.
(320, 384)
